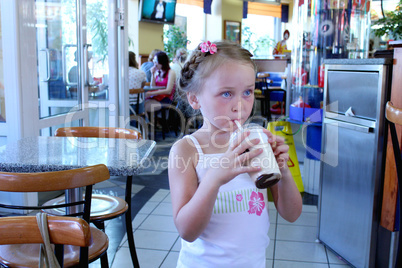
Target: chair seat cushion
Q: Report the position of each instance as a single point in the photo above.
(27, 255)
(102, 206)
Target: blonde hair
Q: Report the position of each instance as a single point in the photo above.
(152, 54)
(200, 65)
(181, 55)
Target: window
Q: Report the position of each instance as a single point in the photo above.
(380, 43)
(2, 99)
(191, 17)
(258, 34)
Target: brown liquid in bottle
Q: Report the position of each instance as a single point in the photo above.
(265, 180)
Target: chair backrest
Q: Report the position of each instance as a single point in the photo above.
(62, 230)
(70, 180)
(393, 114)
(394, 117)
(136, 90)
(276, 79)
(98, 132)
(55, 181)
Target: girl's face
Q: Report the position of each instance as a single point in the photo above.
(228, 95)
(156, 64)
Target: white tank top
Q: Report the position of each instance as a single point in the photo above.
(237, 234)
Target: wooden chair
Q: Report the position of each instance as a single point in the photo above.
(98, 132)
(277, 93)
(268, 90)
(137, 91)
(164, 111)
(150, 129)
(394, 117)
(105, 207)
(261, 93)
(137, 119)
(67, 231)
(56, 181)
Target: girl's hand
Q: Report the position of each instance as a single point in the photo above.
(153, 69)
(285, 194)
(235, 160)
(280, 149)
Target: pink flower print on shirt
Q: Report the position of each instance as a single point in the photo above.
(256, 203)
(239, 197)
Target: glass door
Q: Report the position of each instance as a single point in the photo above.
(63, 57)
(58, 56)
(63, 63)
(72, 39)
(56, 31)
(3, 129)
(101, 93)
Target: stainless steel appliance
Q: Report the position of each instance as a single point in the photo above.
(352, 164)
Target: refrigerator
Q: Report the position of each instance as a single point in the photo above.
(353, 157)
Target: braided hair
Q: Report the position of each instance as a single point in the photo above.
(200, 65)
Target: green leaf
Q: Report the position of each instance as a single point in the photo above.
(174, 38)
(391, 23)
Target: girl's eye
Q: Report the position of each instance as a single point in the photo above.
(248, 92)
(226, 94)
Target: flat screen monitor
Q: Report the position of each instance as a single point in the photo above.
(157, 11)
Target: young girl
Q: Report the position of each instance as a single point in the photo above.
(221, 216)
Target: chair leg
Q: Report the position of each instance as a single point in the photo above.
(104, 259)
(267, 106)
(398, 162)
(284, 103)
(154, 116)
(262, 104)
(173, 120)
(143, 126)
(129, 226)
(100, 225)
(177, 121)
(164, 123)
(151, 125)
(58, 251)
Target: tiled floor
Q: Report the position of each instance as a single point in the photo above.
(157, 240)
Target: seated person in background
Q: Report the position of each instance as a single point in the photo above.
(73, 76)
(177, 64)
(178, 61)
(146, 66)
(136, 79)
(162, 75)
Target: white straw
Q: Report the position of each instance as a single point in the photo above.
(238, 125)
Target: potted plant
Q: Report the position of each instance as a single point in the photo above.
(174, 38)
(391, 23)
(260, 47)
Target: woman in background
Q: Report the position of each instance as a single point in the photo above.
(162, 76)
(179, 60)
(136, 79)
(146, 66)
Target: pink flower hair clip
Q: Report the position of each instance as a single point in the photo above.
(208, 47)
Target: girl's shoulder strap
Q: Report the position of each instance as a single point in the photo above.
(196, 144)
